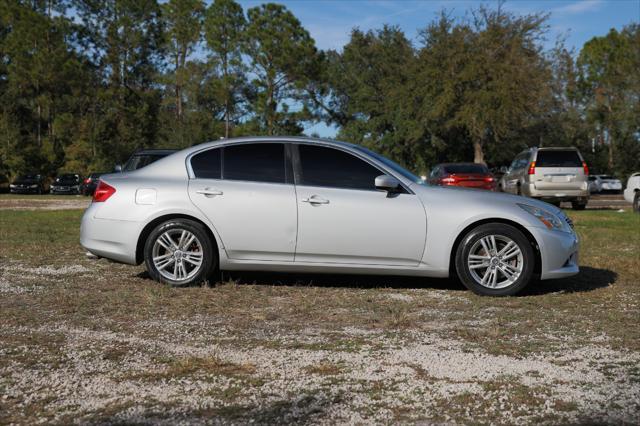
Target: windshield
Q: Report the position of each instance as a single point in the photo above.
(68, 178)
(139, 161)
(466, 169)
(608, 177)
(28, 177)
(392, 165)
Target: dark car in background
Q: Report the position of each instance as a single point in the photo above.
(67, 183)
(143, 158)
(30, 183)
(90, 184)
(468, 175)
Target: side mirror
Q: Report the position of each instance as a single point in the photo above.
(387, 183)
(117, 168)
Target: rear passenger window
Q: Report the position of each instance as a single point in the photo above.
(207, 164)
(260, 162)
(568, 158)
(322, 166)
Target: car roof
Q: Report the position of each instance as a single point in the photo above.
(557, 148)
(166, 151)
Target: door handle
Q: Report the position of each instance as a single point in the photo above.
(208, 192)
(314, 199)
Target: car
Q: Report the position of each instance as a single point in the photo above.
(469, 175)
(632, 191)
(143, 158)
(549, 174)
(31, 183)
(90, 183)
(595, 184)
(66, 183)
(610, 184)
(294, 204)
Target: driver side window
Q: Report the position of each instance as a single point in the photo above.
(328, 167)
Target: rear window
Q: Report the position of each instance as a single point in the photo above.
(569, 158)
(466, 169)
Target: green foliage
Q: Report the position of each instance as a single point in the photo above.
(282, 55)
(84, 83)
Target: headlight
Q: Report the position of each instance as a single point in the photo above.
(33, 186)
(12, 186)
(549, 219)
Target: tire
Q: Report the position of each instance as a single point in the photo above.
(179, 258)
(578, 205)
(521, 265)
(636, 202)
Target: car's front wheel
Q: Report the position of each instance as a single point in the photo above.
(495, 260)
(179, 252)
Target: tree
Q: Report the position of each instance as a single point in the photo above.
(282, 55)
(182, 25)
(610, 87)
(224, 31)
(125, 44)
(478, 75)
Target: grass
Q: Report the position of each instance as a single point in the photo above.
(110, 322)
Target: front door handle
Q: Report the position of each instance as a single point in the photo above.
(209, 192)
(314, 199)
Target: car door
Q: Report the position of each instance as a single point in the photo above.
(343, 219)
(247, 192)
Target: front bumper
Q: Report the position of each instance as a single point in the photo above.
(23, 190)
(559, 253)
(68, 190)
(112, 239)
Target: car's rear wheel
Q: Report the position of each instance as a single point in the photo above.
(179, 252)
(636, 202)
(578, 205)
(495, 260)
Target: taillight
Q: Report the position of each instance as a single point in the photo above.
(103, 192)
(489, 179)
(87, 181)
(532, 168)
(585, 168)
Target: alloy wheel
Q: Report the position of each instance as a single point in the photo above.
(177, 254)
(495, 261)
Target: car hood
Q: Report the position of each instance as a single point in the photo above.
(25, 182)
(463, 205)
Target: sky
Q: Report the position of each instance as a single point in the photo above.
(331, 21)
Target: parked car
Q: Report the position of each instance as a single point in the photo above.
(595, 184)
(609, 184)
(307, 205)
(469, 175)
(67, 183)
(31, 183)
(143, 158)
(90, 183)
(632, 191)
(550, 174)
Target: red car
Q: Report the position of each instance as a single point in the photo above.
(469, 175)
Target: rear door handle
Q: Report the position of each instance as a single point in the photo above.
(209, 192)
(314, 199)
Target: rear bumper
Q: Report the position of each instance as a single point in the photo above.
(530, 190)
(112, 239)
(559, 253)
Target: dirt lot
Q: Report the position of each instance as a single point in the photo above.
(94, 342)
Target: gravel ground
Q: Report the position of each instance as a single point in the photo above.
(92, 342)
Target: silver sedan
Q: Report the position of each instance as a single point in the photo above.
(307, 205)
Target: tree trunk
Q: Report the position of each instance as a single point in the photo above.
(478, 154)
(610, 162)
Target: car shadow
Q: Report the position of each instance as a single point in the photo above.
(340, 280)
(588, 279)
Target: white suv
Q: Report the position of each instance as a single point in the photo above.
(632, 192)
(550, 174)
